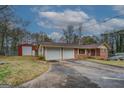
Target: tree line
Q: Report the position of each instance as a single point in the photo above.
(115, 40)
(13, 32)
(72, 34)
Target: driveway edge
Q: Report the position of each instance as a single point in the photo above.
(104, 64)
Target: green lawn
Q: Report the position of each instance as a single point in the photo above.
(20, 69)
(114, 63)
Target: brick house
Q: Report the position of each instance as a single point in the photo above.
(61, 51)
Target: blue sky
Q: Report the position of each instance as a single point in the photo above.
(52, 19)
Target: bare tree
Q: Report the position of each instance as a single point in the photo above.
(115, 39)
(79, 34)
(40, 37)
(9, 26)
(68, 34)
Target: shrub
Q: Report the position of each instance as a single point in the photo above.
(96, 57)
(81, 56)
(2, 53)
(42, 58)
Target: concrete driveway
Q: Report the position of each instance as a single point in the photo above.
(79, 74)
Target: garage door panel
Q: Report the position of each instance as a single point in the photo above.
(68, 53)
(53, 54)
(26, 50)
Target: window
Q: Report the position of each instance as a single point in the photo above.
(81, 51)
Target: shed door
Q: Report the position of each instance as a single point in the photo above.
(68, 53)
(26, 50)
(53, 53)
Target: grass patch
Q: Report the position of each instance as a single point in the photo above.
(114, 63)
(20, 69)
(4, 71)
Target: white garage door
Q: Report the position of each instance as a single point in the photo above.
(53, 54)
(26, 50)
(68, 53)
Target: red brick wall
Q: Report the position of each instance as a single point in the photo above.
(104, 53)
(93, 52)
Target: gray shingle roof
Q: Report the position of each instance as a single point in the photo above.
(51, 44)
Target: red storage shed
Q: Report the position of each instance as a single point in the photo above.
(27, 50)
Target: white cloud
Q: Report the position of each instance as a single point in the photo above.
(115, 23)
(94, 27)
(55, 36)
(119, 8)
(60, 20)
(68, 15)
